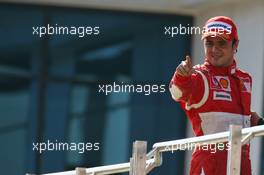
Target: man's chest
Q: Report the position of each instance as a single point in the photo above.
(228, 93)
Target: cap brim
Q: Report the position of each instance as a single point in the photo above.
(215, 34)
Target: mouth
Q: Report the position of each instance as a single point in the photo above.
(216, 57)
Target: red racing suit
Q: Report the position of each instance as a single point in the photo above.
(213, 98)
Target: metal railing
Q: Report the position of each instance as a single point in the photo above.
(142, 163)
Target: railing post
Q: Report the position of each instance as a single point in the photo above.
(80, 171)
(138, 160)
(234, 153)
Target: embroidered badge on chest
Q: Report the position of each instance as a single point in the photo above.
(220, 83)
(221, 88)
(245, 84)
(222, 96)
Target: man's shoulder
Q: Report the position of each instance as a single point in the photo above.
(242, 73)
(199, 67)
(200, 71)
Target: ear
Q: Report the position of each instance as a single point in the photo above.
(235, 46)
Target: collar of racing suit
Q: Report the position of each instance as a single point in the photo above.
(230, 70)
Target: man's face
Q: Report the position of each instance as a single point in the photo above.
(218, 51)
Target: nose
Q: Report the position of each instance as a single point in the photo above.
(215, 48)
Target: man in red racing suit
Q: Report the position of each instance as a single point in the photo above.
(215, 95)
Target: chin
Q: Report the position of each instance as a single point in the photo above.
(217, 64)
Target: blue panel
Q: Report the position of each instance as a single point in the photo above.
(157, 117)
(12, 152)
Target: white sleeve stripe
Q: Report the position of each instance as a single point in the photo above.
(175, 91)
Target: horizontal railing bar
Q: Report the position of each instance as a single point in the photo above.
(207, 139)
(103, 170)
(72, 172)
(109, 169)
(163, 147)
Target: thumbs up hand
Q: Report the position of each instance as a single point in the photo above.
(185, 68)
